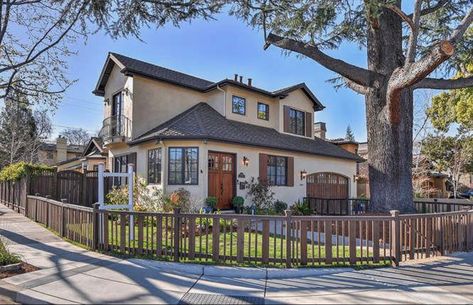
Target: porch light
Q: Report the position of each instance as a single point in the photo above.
(245, 161)
(303, 174)
(356, 177)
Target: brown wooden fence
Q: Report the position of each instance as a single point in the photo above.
(259, 240)
(70, 186)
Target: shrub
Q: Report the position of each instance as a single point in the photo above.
(300, 208)
(260, 194)
(280, 207)
(238, 201)
(211, 201)
(16, 171)
(6, 257)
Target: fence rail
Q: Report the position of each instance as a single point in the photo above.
(259, 240)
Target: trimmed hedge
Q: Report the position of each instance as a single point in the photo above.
(16, 171)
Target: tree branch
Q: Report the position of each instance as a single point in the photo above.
(401, 14)
(412, 44)
(444, 84)
(431, 9)
(355, 87)
(356, 74)
(462, 27)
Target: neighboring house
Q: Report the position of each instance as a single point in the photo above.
(91, 156)
(54, 153)
(211, 138)
(426, 181)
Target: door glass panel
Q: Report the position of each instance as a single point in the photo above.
(227, 163)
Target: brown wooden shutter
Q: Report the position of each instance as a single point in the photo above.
(286, 118)
(308, 124)
(263, 167)
(290, 171)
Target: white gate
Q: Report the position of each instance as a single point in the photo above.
(101, 194)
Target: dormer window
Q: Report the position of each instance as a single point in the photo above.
(238, 105)
(263, 111)
(296, 122)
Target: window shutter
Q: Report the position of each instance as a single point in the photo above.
(290, 171)
(308, 124)
(263, 167)
(286, 118)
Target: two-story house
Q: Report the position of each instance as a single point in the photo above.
(212, 137)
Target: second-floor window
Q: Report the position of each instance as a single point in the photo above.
(263, 111)
(238, 105)
(296, 122)
(183, 165)
(154, 165)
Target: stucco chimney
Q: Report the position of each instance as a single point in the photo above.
(249, 82)
(320, 130)
(61, 149)
(236, 77)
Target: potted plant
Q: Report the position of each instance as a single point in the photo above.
(238, 203)
(211, 202)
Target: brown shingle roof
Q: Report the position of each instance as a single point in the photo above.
(203, 122)
(134, 66)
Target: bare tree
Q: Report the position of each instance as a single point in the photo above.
(21, 131)
(76, 136)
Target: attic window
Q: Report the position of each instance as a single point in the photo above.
(238, 105)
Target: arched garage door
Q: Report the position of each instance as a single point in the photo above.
(328, 193)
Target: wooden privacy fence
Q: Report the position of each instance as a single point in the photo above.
(70, 186)
(253, 240)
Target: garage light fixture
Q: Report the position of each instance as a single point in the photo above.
(303, 174)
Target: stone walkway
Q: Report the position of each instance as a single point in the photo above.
(70, 274)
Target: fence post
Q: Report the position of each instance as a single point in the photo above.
(177, 232)
(84, 188)
(55, 185)
(96, 226)
(288, 238)
(63, 218)
(396, 237)
(47, 211)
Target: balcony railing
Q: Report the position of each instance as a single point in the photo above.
(115, 127)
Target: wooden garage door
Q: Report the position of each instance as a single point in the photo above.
(327, 194)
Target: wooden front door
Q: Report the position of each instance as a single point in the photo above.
(222, 178)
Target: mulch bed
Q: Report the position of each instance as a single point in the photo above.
(24, 268)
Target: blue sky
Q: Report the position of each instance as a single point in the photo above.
(213, 50)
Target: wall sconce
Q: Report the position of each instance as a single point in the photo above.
(303, 174)
(356, 177)
(245, 161)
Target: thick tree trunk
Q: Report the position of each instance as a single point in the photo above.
(389, 141)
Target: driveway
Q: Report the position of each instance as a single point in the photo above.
(70, 274)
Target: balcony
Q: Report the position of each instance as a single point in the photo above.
(115, 129)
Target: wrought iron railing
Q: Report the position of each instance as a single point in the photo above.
(115, 126)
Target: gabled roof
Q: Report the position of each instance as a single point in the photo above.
(203, 122)
(95, 145)
(131, 66)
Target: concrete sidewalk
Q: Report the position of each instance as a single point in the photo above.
(71, 274)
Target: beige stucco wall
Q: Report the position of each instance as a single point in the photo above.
(252, 99)
(156, 102)
(307, 162)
